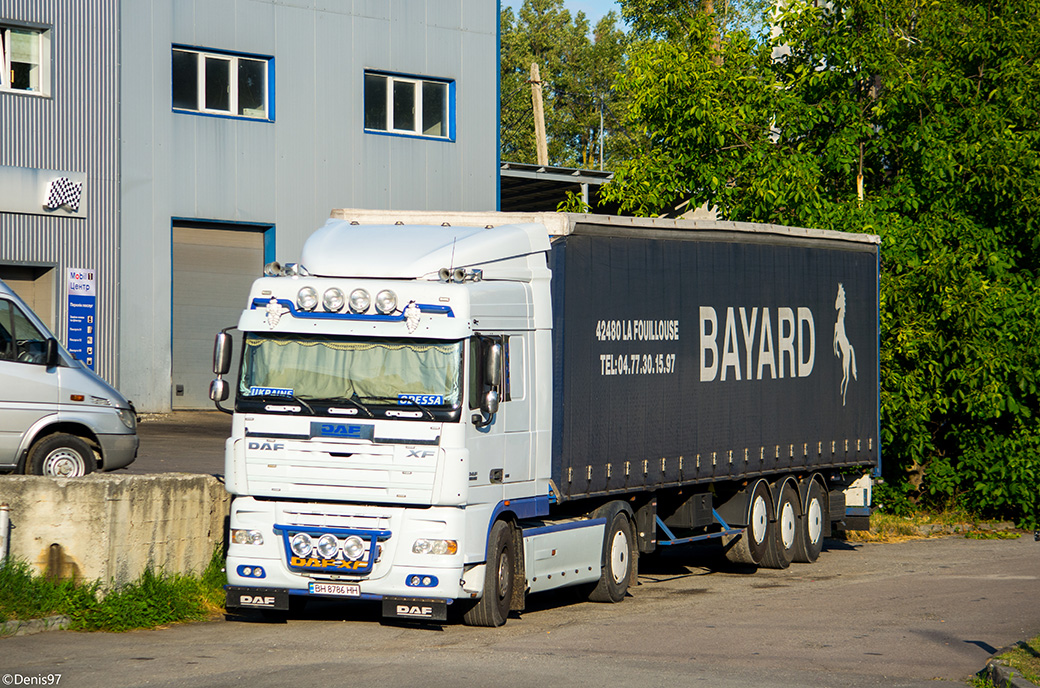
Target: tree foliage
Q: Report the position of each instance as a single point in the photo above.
(577, 64)
(932, 108)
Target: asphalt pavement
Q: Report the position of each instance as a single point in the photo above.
(181, 442)
(193, 442)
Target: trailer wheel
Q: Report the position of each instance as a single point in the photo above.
(785, 530)
(810, 534)
(492, 609)
(61, 456)
(750, 547)
(617, 562)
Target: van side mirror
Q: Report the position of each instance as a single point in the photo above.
(222, 348)
(51, 355)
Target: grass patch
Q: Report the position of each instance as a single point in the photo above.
(154, 599)
(892, 528)
(1025, 659)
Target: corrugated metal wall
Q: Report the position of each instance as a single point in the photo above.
(316, 156)
(75, 129)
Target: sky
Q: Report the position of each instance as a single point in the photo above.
(593, 9)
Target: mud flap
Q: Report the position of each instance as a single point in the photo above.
(415, 609)
(255, 598)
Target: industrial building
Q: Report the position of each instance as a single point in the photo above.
(154, 154)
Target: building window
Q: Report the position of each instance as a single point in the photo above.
(24, 59)
(409, 106)
(227, 84)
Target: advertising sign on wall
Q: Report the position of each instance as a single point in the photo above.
(82, 309)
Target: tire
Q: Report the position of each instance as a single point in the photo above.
(619, 556)
(493, 607)
(61, 456)
(785, 529)
(751, 546)
(810, 533)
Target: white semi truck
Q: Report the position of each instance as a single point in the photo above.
(448, 411)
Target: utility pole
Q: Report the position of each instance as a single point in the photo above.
(601, 134)
(541, 146)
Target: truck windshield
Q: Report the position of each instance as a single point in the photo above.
(366, 377)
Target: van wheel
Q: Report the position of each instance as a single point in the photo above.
(61, 456)
(492, 609)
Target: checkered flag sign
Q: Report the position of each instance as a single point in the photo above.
(64, 191)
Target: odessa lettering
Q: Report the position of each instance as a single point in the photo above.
(749, 350)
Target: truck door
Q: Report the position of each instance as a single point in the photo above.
(500, 452)
(28, 389)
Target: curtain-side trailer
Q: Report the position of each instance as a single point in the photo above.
(453, 410)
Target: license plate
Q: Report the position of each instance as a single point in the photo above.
(337, 589)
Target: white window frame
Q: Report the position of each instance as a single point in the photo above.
(417, 84)
(43, 47)
(233, 60)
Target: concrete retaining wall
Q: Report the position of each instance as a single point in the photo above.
(111, 527)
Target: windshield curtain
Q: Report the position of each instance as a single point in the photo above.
(320, 368)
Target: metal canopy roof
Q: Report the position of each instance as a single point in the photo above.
(532, 188)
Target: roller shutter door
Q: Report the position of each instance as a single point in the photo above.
(212, 272)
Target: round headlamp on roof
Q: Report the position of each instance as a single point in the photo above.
(386, 302)
(360, 300)
(333, 300)
(307, 298)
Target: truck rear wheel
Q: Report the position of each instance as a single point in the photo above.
(492, 609)
(785, 530)
(618, 560)
(810, 532)
(750, 547)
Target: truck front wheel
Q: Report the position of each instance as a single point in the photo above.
(492, 609)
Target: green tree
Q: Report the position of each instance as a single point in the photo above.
(928, 111)
(577, 64)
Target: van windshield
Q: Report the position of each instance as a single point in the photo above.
(358, 376)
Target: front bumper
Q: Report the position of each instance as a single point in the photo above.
(395, 571)
(118, 451)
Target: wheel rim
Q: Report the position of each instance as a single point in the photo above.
(619, 556)
(759, 519)
(503, 574)
(814, 526)
(64, 463)
(787, 525)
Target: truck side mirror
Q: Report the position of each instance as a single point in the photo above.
(219, 390)
(222, 354)
(493, 365)
(490, 405)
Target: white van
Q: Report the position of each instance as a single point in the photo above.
(57, 417)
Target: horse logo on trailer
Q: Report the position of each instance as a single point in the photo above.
(842, 346)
